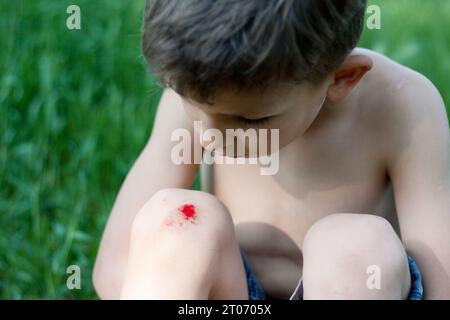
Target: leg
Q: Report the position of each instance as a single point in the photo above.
(342, 254)
(184, 256)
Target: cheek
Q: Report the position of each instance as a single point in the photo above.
(293, 125)
(287, 135)
(288, 126)
(192, 113)
(207, 121)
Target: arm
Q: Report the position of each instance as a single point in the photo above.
(419, 167)
(152, 171)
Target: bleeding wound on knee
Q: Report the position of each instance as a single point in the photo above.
(185, 213)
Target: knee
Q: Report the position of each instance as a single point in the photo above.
(354, 256)
(177, 215)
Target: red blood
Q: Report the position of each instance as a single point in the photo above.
(188, 211)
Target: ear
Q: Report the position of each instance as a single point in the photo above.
(347, 76)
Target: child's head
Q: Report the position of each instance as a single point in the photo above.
(274, 61)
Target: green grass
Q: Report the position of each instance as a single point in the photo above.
(417, 34)
(76, 107)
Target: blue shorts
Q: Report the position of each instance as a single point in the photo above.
(256, 292)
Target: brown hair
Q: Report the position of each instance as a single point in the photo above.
(197, 46)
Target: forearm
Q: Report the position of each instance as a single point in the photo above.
(433, 258)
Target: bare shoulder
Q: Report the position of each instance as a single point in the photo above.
(396, 99)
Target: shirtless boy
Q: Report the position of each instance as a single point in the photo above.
(363, 186)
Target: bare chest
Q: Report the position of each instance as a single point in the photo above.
(345, 174)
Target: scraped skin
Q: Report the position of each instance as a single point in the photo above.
(170, 236)
(184, 213)
(189, 212)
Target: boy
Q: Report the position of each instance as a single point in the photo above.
(357, 132)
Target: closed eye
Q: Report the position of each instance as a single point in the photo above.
(255, 122)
